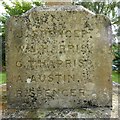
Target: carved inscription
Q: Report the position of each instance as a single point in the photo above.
(55, 63)
(38, 60)
(50, 92)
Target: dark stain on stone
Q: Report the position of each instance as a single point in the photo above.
(90, 36)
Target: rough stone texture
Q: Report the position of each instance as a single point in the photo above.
(59, 57)
(97, 113)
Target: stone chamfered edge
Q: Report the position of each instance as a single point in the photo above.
(80, 8)
(104, 19)
(60, 8)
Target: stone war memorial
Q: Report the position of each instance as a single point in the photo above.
(59, 56)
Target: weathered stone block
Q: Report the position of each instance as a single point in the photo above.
(59, 57)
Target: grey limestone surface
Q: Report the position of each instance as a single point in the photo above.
(59, 57)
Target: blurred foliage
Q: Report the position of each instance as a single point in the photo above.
(17, 8)
(115, 76)
(3, 20)
(108, 9)
(116, 52)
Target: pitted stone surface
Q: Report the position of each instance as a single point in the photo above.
(59, 57)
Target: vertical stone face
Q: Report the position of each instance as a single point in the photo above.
(59, 57)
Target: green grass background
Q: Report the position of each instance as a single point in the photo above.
(115, 77)
(2, 78)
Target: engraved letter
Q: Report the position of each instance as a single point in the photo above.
(62, 48)
(77, 33)
(68, 33)
(73, 92)
(58, 77)
(68, 63)
(64, 92)
(50, 78)
(71, 47)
